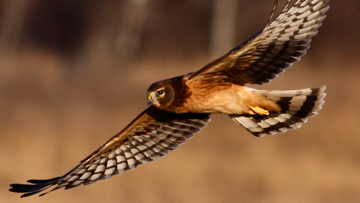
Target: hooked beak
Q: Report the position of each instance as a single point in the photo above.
(149, 100)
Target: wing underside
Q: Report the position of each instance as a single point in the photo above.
(153, 134)
(268, 53)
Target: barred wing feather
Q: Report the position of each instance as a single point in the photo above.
(153, 134)
(268, 53)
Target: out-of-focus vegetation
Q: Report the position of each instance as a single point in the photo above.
(74, 73)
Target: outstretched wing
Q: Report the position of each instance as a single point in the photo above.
(268, 53)
(153, 134)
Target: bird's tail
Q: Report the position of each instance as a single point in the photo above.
(296, 106)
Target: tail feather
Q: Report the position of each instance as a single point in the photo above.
(296, 107)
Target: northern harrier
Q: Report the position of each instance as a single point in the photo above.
(180, 107)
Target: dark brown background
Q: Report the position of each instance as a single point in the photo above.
(74, 73)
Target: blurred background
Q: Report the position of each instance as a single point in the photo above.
(74, 73)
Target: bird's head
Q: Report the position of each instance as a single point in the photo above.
(161, 94)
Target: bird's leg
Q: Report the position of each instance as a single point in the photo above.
(255, 110)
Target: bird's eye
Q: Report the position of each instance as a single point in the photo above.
(160, 92)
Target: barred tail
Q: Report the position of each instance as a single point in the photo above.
(296, 107)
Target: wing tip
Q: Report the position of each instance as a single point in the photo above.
(35, 187)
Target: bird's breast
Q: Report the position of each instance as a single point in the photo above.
(226, 99)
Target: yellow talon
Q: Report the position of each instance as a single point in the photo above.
(258, 110)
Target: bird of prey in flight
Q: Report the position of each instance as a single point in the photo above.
(179, 107)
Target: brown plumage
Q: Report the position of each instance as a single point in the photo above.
(180, 106)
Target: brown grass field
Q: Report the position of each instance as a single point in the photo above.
(54, 113)
(50, 122)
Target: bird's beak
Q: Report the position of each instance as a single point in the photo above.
(149, 100)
